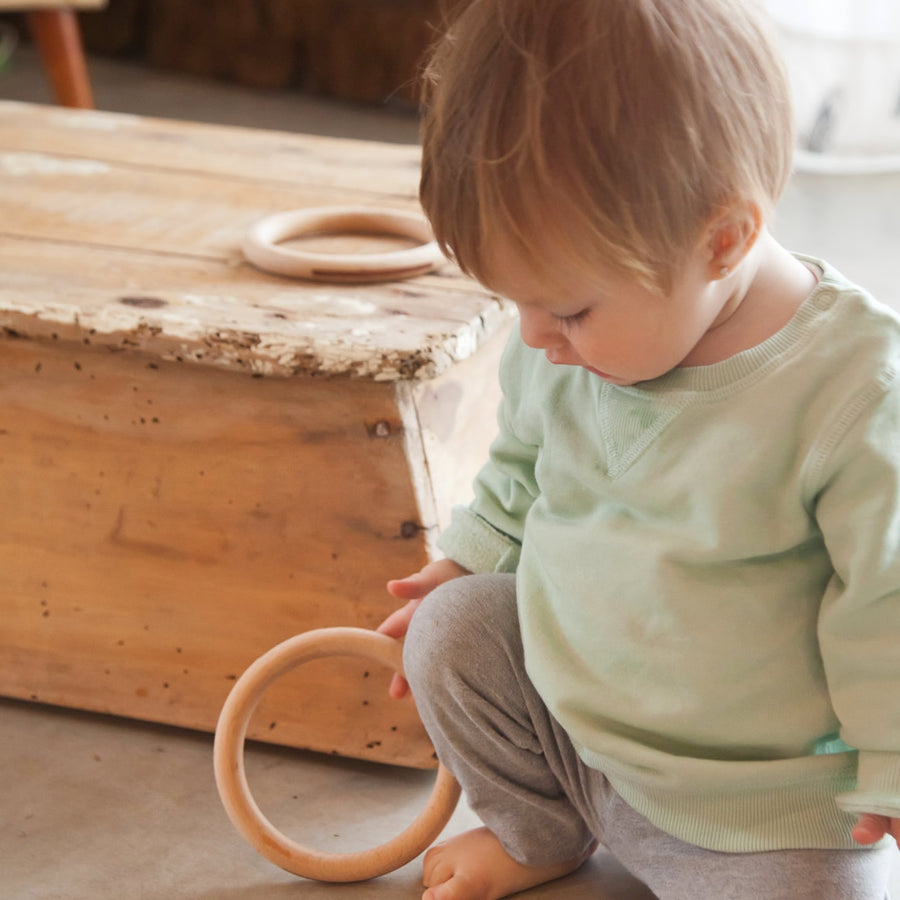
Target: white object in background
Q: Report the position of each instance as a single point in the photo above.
(843, 57)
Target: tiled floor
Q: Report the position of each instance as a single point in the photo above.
(93, 807)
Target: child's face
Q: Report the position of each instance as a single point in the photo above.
(609, 324)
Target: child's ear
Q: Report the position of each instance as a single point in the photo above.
(730, 236)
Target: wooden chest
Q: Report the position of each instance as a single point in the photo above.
(199, 460)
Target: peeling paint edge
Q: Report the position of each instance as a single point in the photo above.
(263, 355)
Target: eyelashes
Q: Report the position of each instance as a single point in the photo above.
(573, 320)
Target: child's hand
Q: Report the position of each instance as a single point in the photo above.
(871, 828)
(414, 589)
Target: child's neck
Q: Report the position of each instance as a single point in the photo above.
(764, 301)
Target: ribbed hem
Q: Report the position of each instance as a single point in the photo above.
(476, 545)
(877, 786)
(792, 808)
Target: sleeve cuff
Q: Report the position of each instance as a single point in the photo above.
(877, 786)
(478, 546)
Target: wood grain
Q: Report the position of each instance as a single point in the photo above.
(198, 460)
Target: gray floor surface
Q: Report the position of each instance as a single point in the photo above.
(96, 807)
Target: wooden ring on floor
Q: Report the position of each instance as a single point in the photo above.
(261, 245)
(231, 778)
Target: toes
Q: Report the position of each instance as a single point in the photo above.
(440, 876)
(451, 889)
(436, 869)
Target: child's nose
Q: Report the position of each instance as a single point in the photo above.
(539, 329)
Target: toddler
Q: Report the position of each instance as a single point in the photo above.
(669, 619)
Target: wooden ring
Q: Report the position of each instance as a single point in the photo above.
(231, 777)
(261, 245)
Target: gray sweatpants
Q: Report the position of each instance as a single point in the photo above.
(464, 662)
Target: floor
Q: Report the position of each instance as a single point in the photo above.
(96, 807)
(133, 88)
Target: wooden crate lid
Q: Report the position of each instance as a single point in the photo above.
(125, 231)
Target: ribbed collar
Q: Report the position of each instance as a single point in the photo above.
(729, 375)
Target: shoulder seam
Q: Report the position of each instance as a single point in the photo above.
(847, 417)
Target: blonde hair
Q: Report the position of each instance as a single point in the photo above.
(608, 130)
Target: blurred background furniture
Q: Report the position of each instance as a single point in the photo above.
(54, 27)
(362, 51)
(843, 58)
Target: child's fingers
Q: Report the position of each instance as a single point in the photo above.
(870, 828)
(412, 588)
(397, 623)
(399, 687)
(395, 626)
(422, 583)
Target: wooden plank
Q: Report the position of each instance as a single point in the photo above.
(227, 314)
(364, 168)
(167, 517)
(164, 525)
(456, 421)
(92, 201)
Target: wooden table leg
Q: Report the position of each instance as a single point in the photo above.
(58, 37)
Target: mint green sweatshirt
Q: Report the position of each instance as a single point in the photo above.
(708, 570)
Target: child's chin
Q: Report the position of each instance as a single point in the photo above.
(612, 379)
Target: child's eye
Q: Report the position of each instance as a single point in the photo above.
(569, 321)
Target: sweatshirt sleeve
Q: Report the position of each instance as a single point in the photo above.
(487, 535)
(858, 512)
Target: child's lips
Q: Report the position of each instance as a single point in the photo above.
(556, 360)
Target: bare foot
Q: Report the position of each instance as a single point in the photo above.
(474, 866)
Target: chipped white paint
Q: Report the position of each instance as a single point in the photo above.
(349, 306)
(148, 258)
(288, 304)
(252, 340)
(466, 343)
(354, 307)
(213, 301)
(285, 301)
(20, 165)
